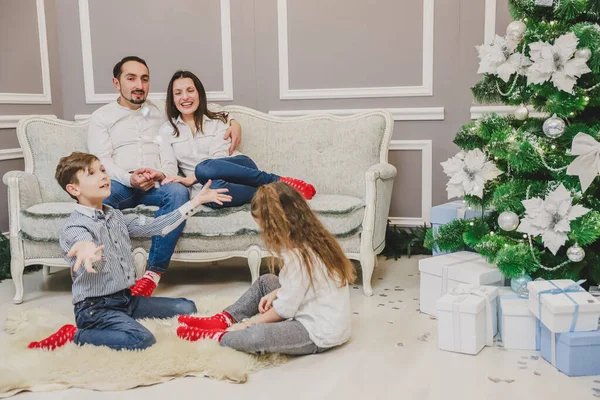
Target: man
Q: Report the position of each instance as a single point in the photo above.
(124, 136)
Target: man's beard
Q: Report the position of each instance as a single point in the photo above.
(134, 101)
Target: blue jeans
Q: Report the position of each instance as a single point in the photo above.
(168, 198)
(111, 320)
(239, 174)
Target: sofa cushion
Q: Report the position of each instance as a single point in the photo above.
(341, 215)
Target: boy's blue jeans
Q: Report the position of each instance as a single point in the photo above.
(111, 320)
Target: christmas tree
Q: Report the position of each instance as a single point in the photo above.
(536, 175)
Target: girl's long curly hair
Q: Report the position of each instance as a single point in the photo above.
(287, 223)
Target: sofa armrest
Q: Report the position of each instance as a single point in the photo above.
(23, 192)
(380, 181)
(381, 171)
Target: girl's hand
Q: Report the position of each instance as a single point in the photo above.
(266, 302)
(208, 195)
(187, 181)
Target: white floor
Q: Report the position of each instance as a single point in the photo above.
(392, 353)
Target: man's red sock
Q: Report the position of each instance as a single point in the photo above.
(222, 320)
(61, 337)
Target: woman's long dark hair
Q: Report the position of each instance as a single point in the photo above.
(172, 111)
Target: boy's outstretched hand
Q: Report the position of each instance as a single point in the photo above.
(208, 195)
(86, 253)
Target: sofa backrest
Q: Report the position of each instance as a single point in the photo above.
(44, 141)
(331, 152)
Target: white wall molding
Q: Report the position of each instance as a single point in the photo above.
(479, 111)
(46, 96)
(11, 154)
(91, 97)
(425, 89)
(399, 114)
(11, 121)
(426, 148)
(489, 27)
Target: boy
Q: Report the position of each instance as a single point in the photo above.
(105, 310)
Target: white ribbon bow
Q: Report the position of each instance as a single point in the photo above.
(480, 291)
(587, 165)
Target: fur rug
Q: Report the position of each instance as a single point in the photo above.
(100, 368)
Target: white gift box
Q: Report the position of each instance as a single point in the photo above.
(465, 318)
(517, 326)
(442, 273)
(563, 306)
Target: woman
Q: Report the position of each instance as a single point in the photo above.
(196, 137)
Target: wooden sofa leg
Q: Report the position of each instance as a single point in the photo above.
(17, 265)
(254, 260)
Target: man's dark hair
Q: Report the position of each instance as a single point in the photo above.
(118, 69)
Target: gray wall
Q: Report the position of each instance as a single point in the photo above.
(332, 44)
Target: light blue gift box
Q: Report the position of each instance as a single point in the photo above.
(448, 212)
(575, 353)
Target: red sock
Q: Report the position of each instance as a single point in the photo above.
(222, 320)
(192, 333)
(61, 337)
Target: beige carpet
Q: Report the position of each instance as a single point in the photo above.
(100, 368)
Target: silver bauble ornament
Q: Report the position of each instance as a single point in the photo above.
(584, 53)
(516, 30)
(575, 253)
(508, 221)
(554, 127)
(521, 113)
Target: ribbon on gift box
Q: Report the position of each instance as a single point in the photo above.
(446, 267)
(505, 297)
(575, 287)
(463, 292)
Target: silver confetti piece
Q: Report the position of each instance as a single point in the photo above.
(522, 367)
(509, 380)
(535, 357)
(596, 381)
(355, 313)
(543, 3)
(537, 373)
(390, 322)
(495, 380)
(521, 362)
(399, 344)
(596, 390)
(525, 357)
(395, 308)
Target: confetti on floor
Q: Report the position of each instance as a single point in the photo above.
(521, 362)
(395, 308)
(537, 358)
(495, 380)
(509, 380)
(399, 344)
(523, 367)
(537, 373)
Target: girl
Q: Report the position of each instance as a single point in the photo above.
(303, 311)
(196, 138)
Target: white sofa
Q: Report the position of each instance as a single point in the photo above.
(344, 157)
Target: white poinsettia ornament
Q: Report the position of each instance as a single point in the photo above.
(557, 63)
(499, 59)
(468, 172)
(551, 218)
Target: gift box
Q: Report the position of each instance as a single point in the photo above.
(517, 326)
(447, 212)
(573, 353)
(465, 318)
(563, 306)
(442, 273)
